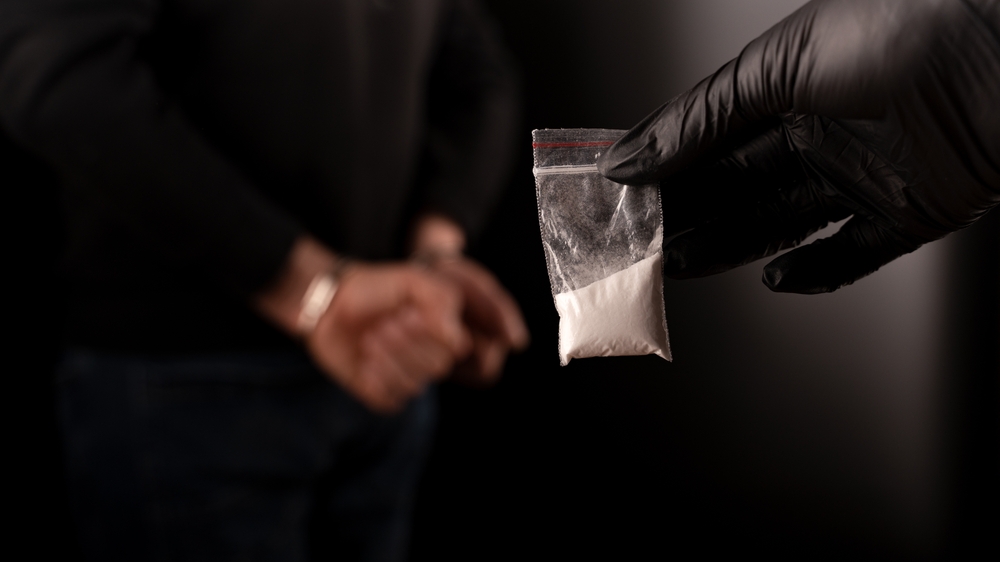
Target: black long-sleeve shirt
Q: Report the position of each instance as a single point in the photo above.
(196, 139)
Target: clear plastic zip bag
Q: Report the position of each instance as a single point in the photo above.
(604, 249)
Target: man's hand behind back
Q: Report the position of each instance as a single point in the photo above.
(389, 331)
(490, 313)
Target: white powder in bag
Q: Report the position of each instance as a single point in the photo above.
(621, 314)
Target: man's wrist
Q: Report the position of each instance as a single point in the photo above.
(281, 302)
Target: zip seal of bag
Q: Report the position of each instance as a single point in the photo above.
(603, 244)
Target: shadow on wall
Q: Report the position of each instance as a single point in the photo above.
(786, 423)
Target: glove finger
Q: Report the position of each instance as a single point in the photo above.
(796, 65)
(758, 232)
(859, 248)
(677, 133)
(758, 170)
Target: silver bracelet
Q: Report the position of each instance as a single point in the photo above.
(318, 297)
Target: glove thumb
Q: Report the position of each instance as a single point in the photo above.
(856, 250)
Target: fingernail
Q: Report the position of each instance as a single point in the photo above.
(772, 278)
(605, 164)
(798, 280)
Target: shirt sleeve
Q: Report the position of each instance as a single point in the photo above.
(74, 90)
(473, 115)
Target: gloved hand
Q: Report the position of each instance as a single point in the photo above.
(887, 110)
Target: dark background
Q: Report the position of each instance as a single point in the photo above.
(863, 423)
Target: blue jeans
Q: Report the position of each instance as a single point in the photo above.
(251, 456)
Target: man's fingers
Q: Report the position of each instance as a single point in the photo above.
(399, 358)
(429, 359)
(490, 356)
(484, 366)
(419, 358)
(856, 250)
(372, 389)
(488, 305)
(385, 379)
(389, 332)
(440, 306)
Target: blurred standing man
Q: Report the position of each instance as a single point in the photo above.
(220, 160)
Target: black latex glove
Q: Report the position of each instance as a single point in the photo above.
(887, 110)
